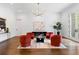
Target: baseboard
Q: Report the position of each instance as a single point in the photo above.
(71, 38)
(7, 39)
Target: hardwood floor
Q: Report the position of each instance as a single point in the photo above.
(9, 47)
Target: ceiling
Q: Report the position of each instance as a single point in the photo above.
(47, 7)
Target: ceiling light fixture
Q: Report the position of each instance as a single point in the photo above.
(37, 11)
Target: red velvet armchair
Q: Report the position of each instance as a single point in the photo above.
(23, 40)
(31, 35)
(28, 40)
(56, 40)
(49, 34)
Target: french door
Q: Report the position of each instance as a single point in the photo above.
(75, 25)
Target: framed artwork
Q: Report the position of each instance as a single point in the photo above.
(38, 26)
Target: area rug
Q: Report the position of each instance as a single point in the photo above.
(45, 45)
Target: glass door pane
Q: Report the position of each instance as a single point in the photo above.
(73, 24)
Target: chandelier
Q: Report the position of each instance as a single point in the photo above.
(37, 11)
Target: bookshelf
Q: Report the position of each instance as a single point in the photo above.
(2, 23)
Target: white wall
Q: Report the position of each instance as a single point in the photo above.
(7, 13)
(65, 18)
(50, 20)
(25, 22)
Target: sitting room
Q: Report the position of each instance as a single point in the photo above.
(39, 28)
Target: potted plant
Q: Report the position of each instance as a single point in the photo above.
(58, 27)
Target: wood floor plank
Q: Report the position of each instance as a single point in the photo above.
(9, 47)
